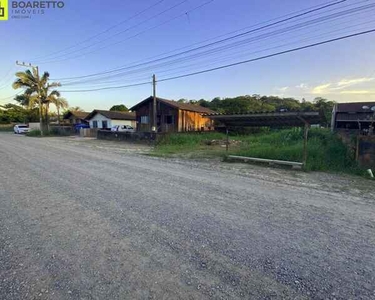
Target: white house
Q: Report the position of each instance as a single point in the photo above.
(104, 119)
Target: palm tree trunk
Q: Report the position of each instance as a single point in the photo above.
(47, 117)
(58, 115)
(58, 118)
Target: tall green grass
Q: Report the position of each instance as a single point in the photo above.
(326, 152)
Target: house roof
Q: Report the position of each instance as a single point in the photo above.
(259, 119)
(175, 104)
(113, 115)
(77, 114)
(355, 107)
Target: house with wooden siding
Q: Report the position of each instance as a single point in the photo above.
(76, 117)
(355, 116)
(172, 116)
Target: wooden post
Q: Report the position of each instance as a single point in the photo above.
(357, 149)
(227, 142)
(154, 121)
(306, 134)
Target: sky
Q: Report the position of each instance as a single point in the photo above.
(342, 71)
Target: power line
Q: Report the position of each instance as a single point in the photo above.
(270, 55)
(234, 64)
(110, 88)
(10, 97)
(206, 40)
(104, 31)
(123, 31)
(133, 36)
(221, 48)
(216, 42)
(242, 54)
(6, 79)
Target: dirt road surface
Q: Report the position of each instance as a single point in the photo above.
(97, 220)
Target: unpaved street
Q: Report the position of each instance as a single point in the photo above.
(93, 220)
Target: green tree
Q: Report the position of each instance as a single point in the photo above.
(37, 89)
(120, 107)
(59, 103)
(325, 107)
(12, 113)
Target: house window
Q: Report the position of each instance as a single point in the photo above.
(168, 119)
(144, 119)
(95, 124)
(104, 124)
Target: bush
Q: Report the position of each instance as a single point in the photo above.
(51, 132)
(6, 128)
(34, 133)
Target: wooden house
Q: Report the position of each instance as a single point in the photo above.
(76, 117)
(356, 116)
(172, 116)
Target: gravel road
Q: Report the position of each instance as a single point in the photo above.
(92, 220)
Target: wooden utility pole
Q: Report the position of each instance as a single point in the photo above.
(38, 89)
(154, 121)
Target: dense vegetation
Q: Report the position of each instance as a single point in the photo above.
(326, 152)
(257, 103)
(11, 113)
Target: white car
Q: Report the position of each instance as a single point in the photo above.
(21, 128)
(123, 128)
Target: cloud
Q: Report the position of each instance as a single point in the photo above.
(302, 86)
(354, 81)
(283, 89)
(341, 87)
(357, 92)
(321, 89)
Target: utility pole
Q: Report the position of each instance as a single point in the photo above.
(154, 123)
(38, 88)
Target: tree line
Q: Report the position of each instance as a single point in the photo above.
(258, 103)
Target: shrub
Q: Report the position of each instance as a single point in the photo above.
(6, 128)
(34, 133)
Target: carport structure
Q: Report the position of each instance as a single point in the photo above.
(270, 119)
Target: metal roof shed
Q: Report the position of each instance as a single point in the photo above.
(270, 119)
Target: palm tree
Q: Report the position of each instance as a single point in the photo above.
(60, 103)
(49, 98)
(37, 89)
(23, 100)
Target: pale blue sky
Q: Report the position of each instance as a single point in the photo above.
(341, 71)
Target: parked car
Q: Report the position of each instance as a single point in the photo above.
(21, 128)
(123, 128)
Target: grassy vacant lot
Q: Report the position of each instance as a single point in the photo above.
(326, 151)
